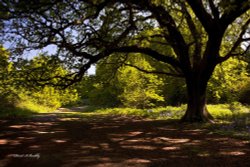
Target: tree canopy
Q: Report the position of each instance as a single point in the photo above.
(192, 37)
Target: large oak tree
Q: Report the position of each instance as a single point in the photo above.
(84, 32)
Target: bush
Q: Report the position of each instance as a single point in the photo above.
(245, 94)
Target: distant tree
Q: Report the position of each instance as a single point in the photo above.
(132, 87)
(7, 85)
(95, 91)
(87, 31)
(227, 81)
(43, 66)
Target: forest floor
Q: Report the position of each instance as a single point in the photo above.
(59, 139)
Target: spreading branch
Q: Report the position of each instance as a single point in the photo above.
(237, 43)
(150, 52)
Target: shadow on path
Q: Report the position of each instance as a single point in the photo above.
(51, 140)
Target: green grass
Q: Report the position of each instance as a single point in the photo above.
(24, 109)
(35, 108)
(168, 112)
(230, 119)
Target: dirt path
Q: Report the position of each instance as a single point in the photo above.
(50, 140)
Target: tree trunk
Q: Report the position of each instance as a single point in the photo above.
(196, 107)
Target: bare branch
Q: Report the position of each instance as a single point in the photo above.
(237, 43)
(214, 9)
(201, 13)
(195, 34)
(238, 8)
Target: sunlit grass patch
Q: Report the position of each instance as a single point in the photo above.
(227, 111)
(168, 112)
(122, 111)
(231, 120)
(24, 109)
(219, 111)
(34, 107)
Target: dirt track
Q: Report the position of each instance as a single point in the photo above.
(49, 140)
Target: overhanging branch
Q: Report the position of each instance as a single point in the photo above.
(150, 52)
(201, 13)
(237, 43)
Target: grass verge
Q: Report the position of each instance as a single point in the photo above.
(230, 119)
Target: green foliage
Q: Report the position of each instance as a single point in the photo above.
(227, 81)
(50, 97)
(133, 88)
(178, 37)
(7, 86)
(139, 90)
(103, 95)
(245, 92)
(43, 70)
(18, 99)
(174, 91)
(127, 86)
(93, 90)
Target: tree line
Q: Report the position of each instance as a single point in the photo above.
(184, 39)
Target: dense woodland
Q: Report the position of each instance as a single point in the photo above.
(114, 85)
(146, 54)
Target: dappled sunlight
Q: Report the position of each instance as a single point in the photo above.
(14, 142)
(134, 141)
(3, 141)
(194, 143)
(204, 154)
(25, 138)
(34, 146)
(104, 146)
(193, 132)
(134, 133)
(43, 123)
(59, 140)
(137, 160)
(69, 119)
(171, 140)
(234, 153)
(169, 148)
(23, 126)
(105, 159)
(111, 141)
(117, 139)
(43, 132)
(17, 141)
(88, 147)
(139, 147)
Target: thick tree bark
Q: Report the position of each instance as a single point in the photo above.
(196, 107)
